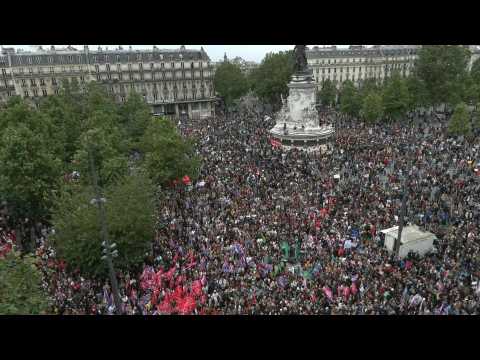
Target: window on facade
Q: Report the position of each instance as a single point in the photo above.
(162, 65)
(98, 77)
(42, 81)
(23, 82)
(97, 68)
(35, 92)
(26, 94)
(108, 67)
(56, 91)
(173, 65)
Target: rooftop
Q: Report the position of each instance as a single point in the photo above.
(409, 233)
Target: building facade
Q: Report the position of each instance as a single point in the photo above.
(358, 63)
(174, 82)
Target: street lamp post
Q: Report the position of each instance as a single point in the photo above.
(109, 250)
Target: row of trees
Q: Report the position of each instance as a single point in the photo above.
(46, 157)
(268, 81)
(440, 78)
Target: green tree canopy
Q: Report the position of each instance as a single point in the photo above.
(396, 98)
(475, 71)
(350, 101)
(372, 107)
(442, 68)
(270, 79)
(168, 156)
(21, 291)
(30, 175)
(328, 93)
(418, 92)
(230, 82)
(130, 216)
(134, 116)
(460, 122)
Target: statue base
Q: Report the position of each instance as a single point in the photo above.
(298, 121)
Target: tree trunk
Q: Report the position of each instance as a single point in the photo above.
(19, 237)
(32, 244)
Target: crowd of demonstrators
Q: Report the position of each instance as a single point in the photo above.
(270, 231)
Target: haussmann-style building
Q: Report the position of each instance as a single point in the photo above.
(173, 82)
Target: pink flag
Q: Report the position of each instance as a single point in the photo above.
(353, 289)
(346, 292)
(327, 292)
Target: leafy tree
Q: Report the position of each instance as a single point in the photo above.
(372, 107)
(21, 291)
(350, 101)
(368, 86)
(135, 116)
(29, 176)
(167, 155)
(328, 93)
(460, 122)
(396, 98)
(230, 82)
(476, 122)
(111, 163)
(130, 216)
(270, 79)
(67, 122)
(418, 92)
(442, 68)
(475, 71)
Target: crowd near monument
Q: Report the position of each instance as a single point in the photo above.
(386, 222)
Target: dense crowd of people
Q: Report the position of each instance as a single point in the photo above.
(270, 231)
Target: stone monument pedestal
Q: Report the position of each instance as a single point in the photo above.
(298, 120)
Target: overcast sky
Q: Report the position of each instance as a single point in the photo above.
(247, 52)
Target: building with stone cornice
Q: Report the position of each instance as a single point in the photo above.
(173, 82)
(358, 63)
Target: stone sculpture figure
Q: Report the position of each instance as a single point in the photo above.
(301, 64)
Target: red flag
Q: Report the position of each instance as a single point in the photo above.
(165, 307)
(197, 288)
(275, 143)
(186, 180)
(169, 274)
(323, 212)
